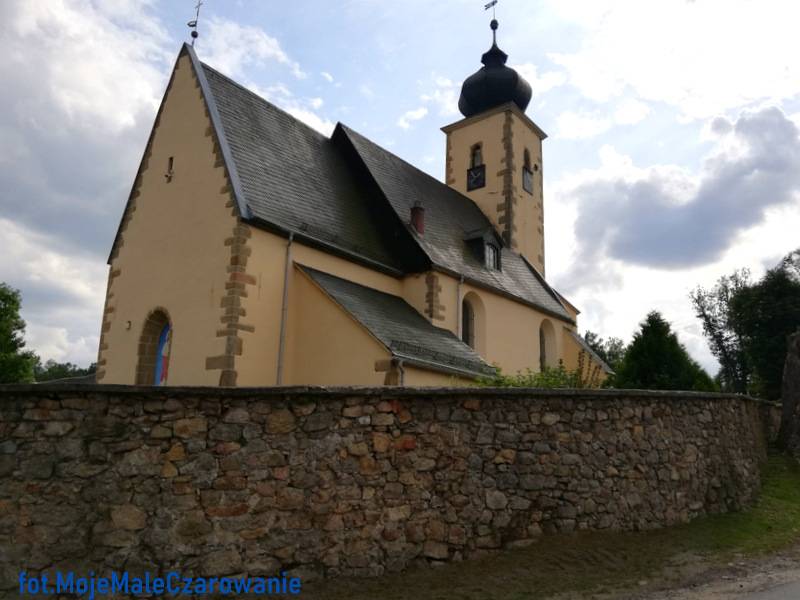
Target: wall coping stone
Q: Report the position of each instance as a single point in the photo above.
(82, 389)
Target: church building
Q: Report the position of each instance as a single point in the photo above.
(256, 251)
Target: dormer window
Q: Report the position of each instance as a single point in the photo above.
(527, 173)
(492, 257)
(476, 174)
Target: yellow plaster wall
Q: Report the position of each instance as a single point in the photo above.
(415, 376)
(529, 209)
(173, 254)
(258, 363)
(327, 346)
(488, 132)
(511, 328)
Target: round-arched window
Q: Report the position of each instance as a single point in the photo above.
(155, 345)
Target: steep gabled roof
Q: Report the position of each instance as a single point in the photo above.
(294, 178)
(400, 328)
(350, 196)
(449, 217)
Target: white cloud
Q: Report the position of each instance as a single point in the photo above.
(578, 125)
(540, 84)
(587, 124)
(366, 91)
(632, 239)
(444, 95)
(62, 293)
(89, 67)
(326, 76)
(232, 48)
(408, 117)
(704, 57)
(630, 112)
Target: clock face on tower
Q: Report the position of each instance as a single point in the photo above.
(476, 177)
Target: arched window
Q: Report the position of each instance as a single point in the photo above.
(476, 156)
(155, 345)
(547, 345)
(542, 349)
(467, 323)
(527, 172)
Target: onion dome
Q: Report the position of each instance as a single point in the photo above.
(494, 84)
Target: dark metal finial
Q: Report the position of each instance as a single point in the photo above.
(193, 23)
(494, 25)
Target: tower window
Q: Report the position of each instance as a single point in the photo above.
(170, 169)
(527, 172)
(492, 257)
(476, 156)
(476, 174)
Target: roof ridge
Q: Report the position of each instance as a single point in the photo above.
(268, 103)
(412, 165)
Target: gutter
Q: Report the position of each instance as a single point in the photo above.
(284, 311)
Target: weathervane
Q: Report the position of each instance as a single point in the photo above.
(193, 23)
(493, 24)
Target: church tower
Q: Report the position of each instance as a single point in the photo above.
(494, 154)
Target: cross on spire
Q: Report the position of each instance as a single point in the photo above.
(193, 23)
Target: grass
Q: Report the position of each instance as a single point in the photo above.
(598, 561)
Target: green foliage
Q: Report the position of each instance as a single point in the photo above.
(52, 370)
(764, 315)
(16, 365)
(549, 378)
(656, 360)
(611, 350)
(712, 307)
(747, 324)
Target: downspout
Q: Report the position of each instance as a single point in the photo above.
(284, 310)
(458, 307)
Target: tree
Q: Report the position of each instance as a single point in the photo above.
(656, 360)
(52, 370)
(611, 350)
(747, 325)
(16, 365)
(764, 315)
(713, 309)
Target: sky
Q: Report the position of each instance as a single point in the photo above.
(673, 154)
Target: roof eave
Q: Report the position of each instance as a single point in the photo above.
(496, 110)
(500, 292)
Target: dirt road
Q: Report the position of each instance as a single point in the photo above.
(773, 578)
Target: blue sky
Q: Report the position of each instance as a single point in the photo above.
(673, 154)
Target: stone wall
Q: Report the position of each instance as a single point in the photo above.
(350, 481)
(790, 396)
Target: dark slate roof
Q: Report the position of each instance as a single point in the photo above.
(334, 191)
(399, 327)
(294, 177)
(449, 218)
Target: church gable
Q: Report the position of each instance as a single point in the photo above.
(180, 243)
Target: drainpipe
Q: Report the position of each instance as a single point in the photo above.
(458, 306)
(284, 310)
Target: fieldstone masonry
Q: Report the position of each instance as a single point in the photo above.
(790, 391)
(319, 482)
